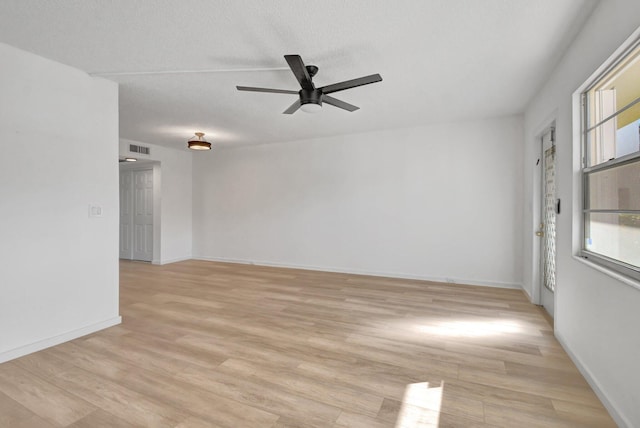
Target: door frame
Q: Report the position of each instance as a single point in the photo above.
(156, 167)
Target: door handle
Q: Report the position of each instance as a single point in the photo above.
(540, 233)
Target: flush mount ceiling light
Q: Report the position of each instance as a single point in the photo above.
(197, 143)
(130, 160)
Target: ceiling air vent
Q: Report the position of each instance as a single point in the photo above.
(139, 149)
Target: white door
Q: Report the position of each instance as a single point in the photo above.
(136, 215)
(143, 215)
(547, 230)
(126, 214)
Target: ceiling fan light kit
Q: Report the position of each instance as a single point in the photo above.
(311, 107)
(310, 98)
(198, 143)
(310, 101)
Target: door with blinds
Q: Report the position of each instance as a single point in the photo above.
(547, 230)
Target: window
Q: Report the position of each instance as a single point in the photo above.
(611, 166)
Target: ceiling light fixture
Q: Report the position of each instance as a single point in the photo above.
(311, 107)
(311, 100)
(130, 160)
(197, 143)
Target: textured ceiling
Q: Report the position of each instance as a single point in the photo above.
(444, 60)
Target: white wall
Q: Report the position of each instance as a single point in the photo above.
(435, 202)
(58, 154)
(174, 189)
(597, 316)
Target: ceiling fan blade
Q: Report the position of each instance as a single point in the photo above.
(293, 108)
(300, 71)
(348, 84)
(276, 91)
(337, 103)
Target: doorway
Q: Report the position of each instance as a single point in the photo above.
(136, 214)
(547, 227)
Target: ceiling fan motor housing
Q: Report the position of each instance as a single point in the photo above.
(310, 97)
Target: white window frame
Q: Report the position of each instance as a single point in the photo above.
(601, 262)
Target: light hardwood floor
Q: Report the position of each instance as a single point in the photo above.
(211, 344)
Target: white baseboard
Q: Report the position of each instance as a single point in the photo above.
(56, 340)
(496, 284)
(618, 417)
(167, 261)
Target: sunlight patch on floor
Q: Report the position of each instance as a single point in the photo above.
(471, 328)
(420, 406)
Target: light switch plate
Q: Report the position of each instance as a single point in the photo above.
(95, 211)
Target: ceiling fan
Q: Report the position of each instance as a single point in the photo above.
(311, 98)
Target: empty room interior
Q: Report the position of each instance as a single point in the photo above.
(319, 214)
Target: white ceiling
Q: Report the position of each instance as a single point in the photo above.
(440, 60)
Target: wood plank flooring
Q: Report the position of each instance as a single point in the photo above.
(206, 344)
